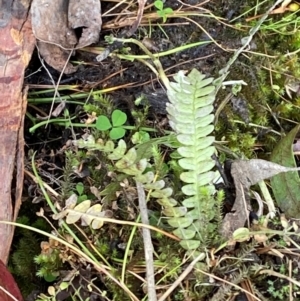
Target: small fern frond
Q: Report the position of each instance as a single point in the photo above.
(190, 115)
(126, 162)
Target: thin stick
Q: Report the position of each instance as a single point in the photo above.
(148, 247)
(181, 278)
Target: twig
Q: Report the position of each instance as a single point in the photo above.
(273, 273)
(147, 244)
(56, 86)
(138, 17)
(181, 277)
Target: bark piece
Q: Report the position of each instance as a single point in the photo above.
(16, 46)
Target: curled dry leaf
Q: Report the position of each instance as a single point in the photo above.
(245, 174)
(54, 23)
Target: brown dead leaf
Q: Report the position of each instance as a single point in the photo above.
(246, 173)
(54, 23)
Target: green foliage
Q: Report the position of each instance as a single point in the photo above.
(49, 265)
(80, 191)
(100, 104)
(190, 115)
(127, 162)
(162, 11)
(118, 119)
(281, 291)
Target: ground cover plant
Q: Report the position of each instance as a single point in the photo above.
(147, 169)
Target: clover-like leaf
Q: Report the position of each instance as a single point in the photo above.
(166, 202)
(118, 118)
(190, 244)
(175, 211)
(184, 233)
(103, 123)
(117, 133)
(162, 193)
(159, 4)
(182, 222)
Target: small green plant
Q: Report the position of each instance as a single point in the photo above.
(49, 264)
(162, 11)
(80, 191)
(190, 116)
(118, 119)
(278, 293)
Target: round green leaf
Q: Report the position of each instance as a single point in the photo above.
(181, 222)
(184, 233)
(241, 234)
(190, 244)
(103, 123)
(168, 10)
(80, 188)
(175, 211)
(50, 277)
(64, 285)
(118, 118)
(117, 133)
(159, 4)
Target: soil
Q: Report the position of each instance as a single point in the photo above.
(133, 77)
(208, 58)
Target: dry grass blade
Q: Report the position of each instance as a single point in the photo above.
(148, 247)
(138, 18)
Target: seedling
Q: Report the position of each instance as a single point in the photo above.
(161, 11)
(118, 119)
(80, 190)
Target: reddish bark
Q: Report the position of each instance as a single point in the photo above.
(16, 46)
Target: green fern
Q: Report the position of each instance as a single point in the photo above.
(190, 115)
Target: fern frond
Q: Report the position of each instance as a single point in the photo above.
(190, 115)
